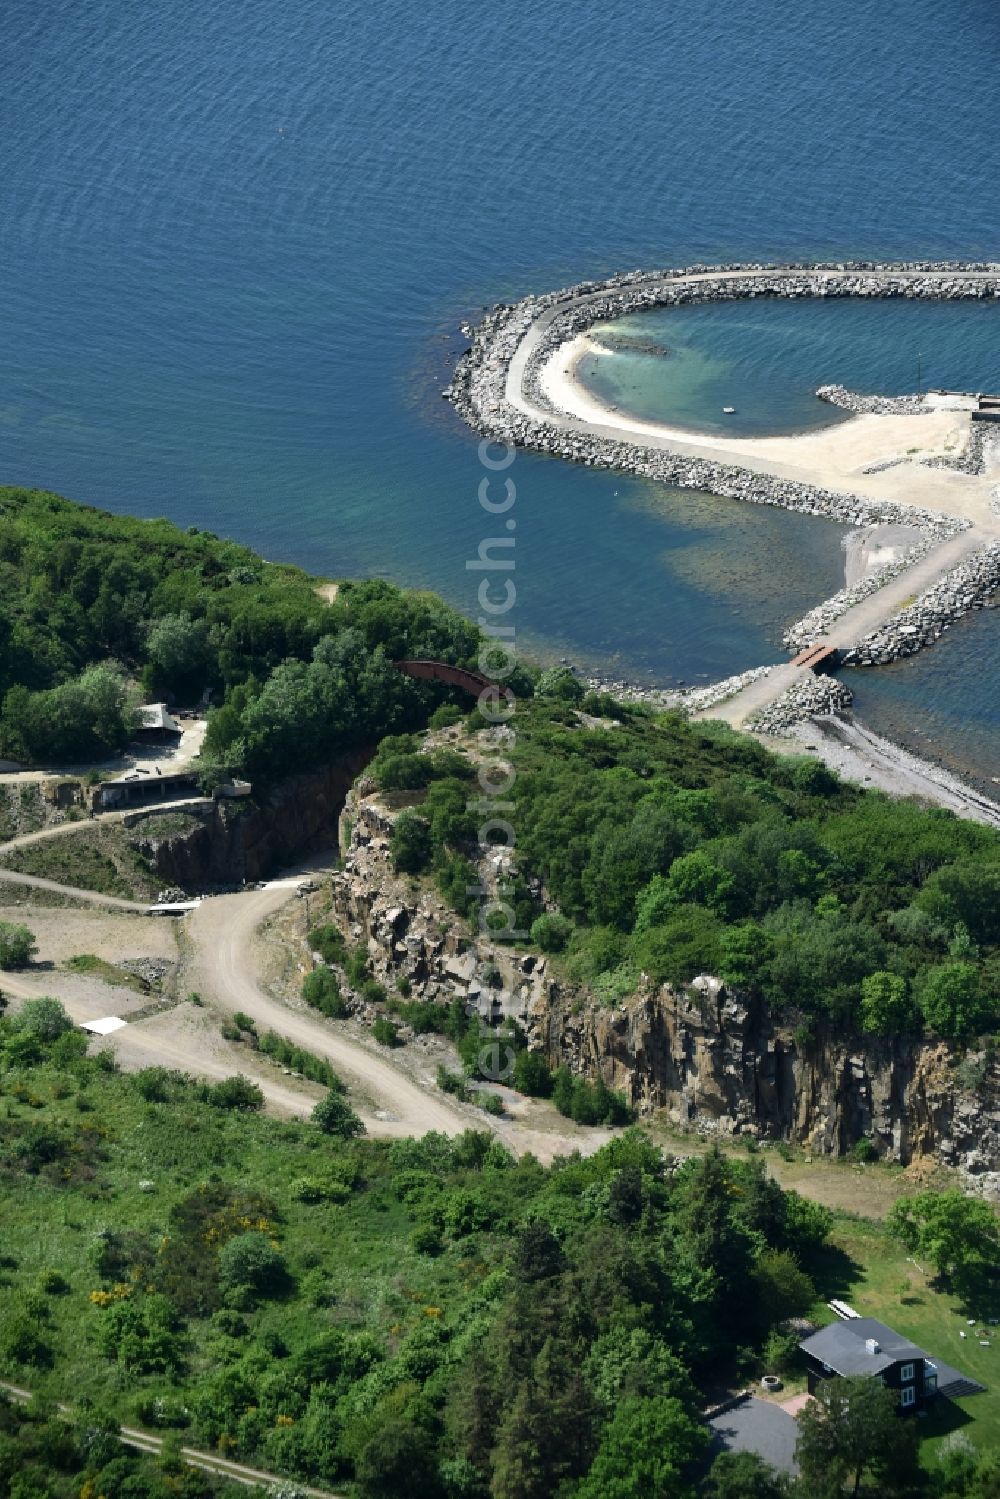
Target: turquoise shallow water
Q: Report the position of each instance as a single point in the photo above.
(236, 241)
(767, 358)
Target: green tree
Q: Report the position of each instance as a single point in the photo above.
(328, 941)
(745, 950)
(885, 1004)
(559, 682)
(321, 990)
(250, 1262)
(88, 717)
(852, 1430)
(820, 958)
(684, 945)
(966, 892)
(177, 653)
(142, 1338)
(446, 809)
(532, 1074)
(22, 1341)
(336, 1117)
(551, 931)
(624, 858)
(17, 945)
(386, 1033)
(648, 1448)
(718, 1244)
(630, 1362)
(744, 1475)
(781, 1287)
(544, 1438)
(43, 1019)
(562, 1090)
(397, 1459)
(951, 999)
(694, 879)
(960, 1235)
(410, 843)
(235, 1093)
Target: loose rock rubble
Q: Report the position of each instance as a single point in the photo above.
(804, 700)
(417, 937)
(853, 400)
(688, 699)
(170, 895)
(152, 971)
(979, 450)
(699, 699)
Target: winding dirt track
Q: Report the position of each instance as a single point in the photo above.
(222, 932)
(90, 897)
(67, 830)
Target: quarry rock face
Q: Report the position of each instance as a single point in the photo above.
(716, 1061)
(237, 842)
(713, 1059)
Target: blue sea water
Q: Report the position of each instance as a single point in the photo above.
(236, 240)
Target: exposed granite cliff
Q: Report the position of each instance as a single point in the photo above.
(234, 842)
(714, 1060)
(717, 1061)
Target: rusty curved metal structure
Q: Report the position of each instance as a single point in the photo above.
(443, 671)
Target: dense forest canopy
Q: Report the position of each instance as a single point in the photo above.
(92, 603)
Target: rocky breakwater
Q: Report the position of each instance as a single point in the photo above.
(803, 700)
(496, 389)
(813, 625)
(480, 387)
(967, 587)
(862, 405)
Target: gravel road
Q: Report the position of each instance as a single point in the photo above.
(222, 932)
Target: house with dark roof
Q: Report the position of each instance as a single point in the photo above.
(862, 1345)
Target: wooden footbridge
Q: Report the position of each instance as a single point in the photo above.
(820, 657)
(443, 671)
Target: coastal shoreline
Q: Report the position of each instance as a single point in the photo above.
(516, 380)
(850, 747)
(841, 740)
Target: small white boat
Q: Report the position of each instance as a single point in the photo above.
(728, 410)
